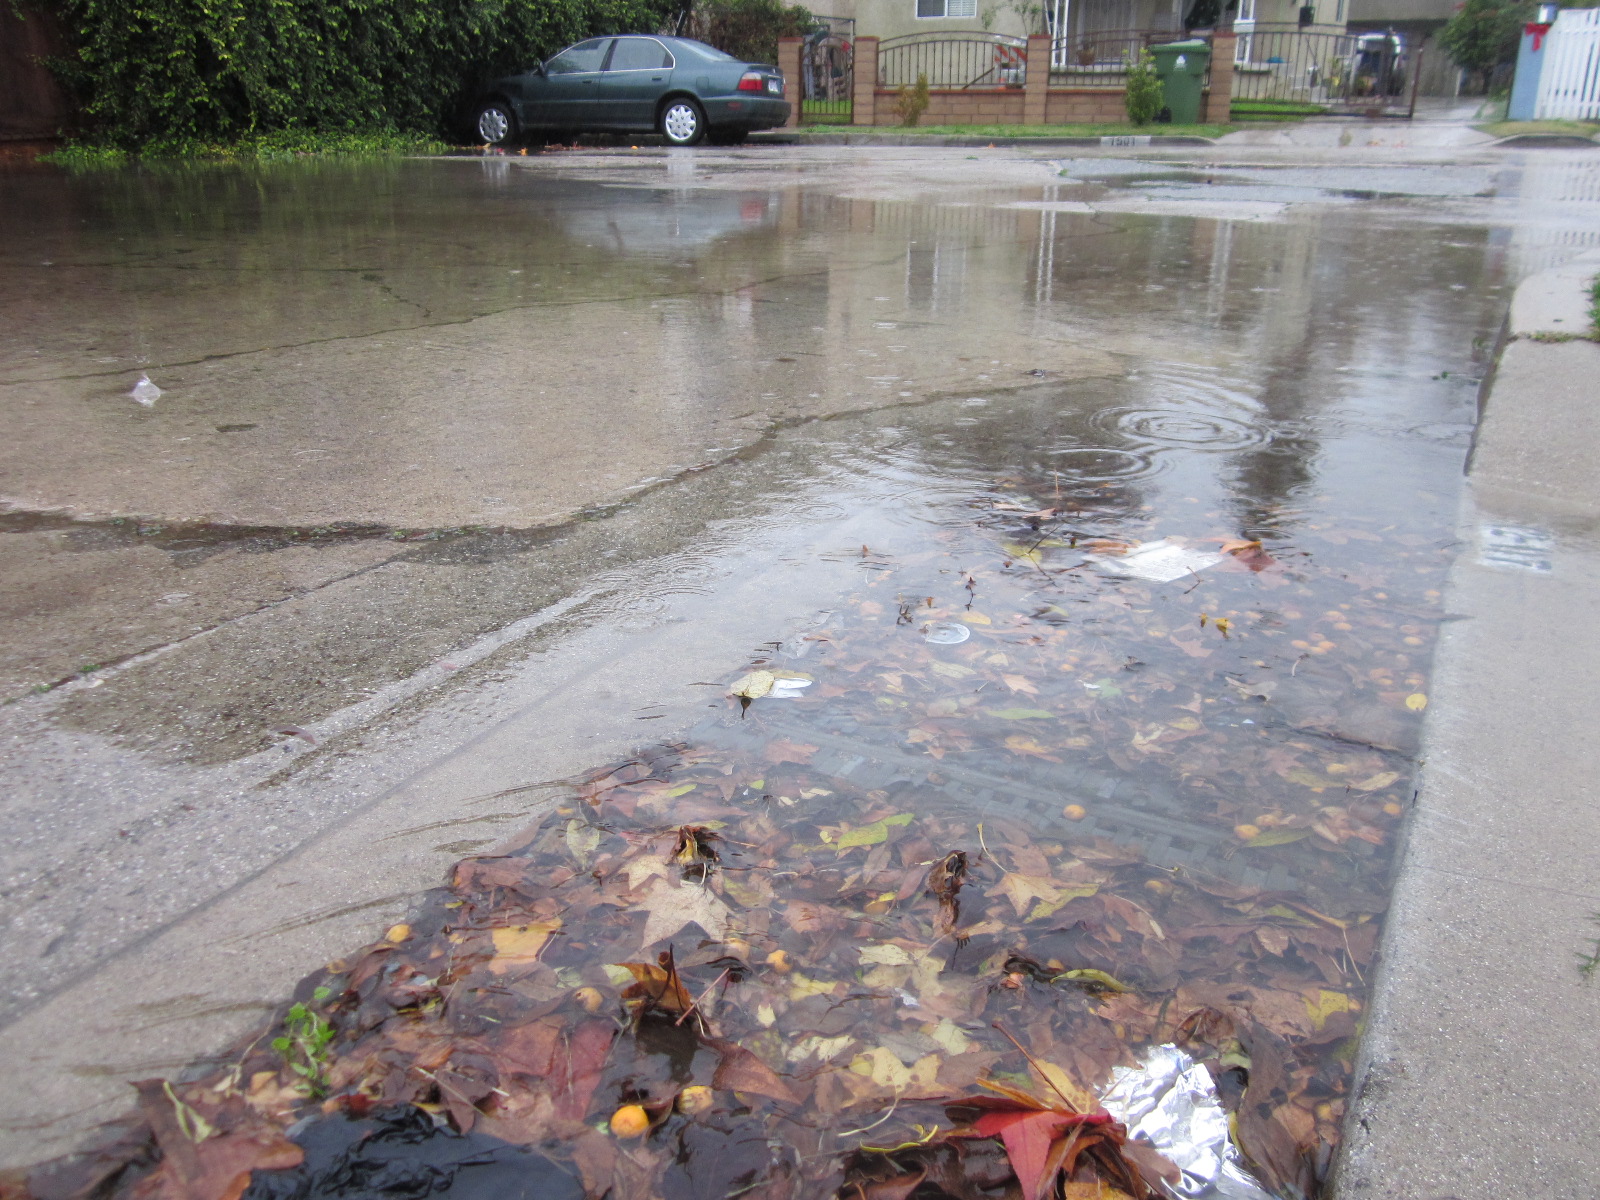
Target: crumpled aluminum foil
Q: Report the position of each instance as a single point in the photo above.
(1170, 1101)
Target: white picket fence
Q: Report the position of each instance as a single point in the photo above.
(1569, 82)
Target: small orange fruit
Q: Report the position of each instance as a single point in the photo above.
(1245, 832)
(590, 998)
(630, 1121)
(1074, 812)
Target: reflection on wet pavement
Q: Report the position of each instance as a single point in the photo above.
(973, 408)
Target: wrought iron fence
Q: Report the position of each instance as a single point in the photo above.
(1102, 51)
(827, 73)
(953, 60)
(1332, 70)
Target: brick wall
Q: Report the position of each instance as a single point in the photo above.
(1085, 106)
(1219, 100)
(957, 107)
(789, 64)
(1036, 103)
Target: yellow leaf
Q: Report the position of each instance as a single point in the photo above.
(801, 986)
(1097, 1190)
(397, 933)
(1325, 1005)
(951, 1037)
(870, 835)
(1308, 778)
(1381, 780)
(1064, 1087)
(925, 1073)
(1281, 836)
(883, 1068)
(1186, 724)
(1416, 702)
(1022, 890)
(1063, 896)
(976, 618)
(516, 945)
(951, 670)
(886, 954)
(1016, 550)
(754, 685)
(1088, 977)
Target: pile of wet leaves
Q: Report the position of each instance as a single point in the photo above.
(746, 965)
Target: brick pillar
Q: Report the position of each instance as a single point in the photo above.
(789, 64)
(1219, 99)
(864, 99)
(1036, 79)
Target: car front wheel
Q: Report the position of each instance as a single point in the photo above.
(496, 124)
(682, 123)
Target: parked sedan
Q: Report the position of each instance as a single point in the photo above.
(682, 89)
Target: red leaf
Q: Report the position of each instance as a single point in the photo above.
(1027, 1137)
(577, 1069)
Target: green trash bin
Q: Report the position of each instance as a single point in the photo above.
(1181, 66)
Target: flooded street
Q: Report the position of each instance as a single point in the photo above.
(1019, 574)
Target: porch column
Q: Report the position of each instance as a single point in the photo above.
(789, 64)
(864, 86)
(1036, 79)
(1219, 100)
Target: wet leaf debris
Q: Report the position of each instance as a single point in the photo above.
(890, 934)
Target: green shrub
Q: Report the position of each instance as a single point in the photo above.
(912, 102)
(1144, 98)
(182, 71)
(748, 29)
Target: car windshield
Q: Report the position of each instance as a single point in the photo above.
(701, 50)
(585, 56)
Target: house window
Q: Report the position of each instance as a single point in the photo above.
(946, 8)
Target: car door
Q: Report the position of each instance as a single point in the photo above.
(633, 82)
(568, 95)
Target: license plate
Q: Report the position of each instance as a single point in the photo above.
(775, 86)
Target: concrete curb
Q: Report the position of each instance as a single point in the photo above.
(1478, 1077)
(791, 137)
(1548, 141)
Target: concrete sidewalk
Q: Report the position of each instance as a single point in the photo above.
(1479, 1077)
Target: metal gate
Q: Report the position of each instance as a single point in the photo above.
(1292, 70)
(827, 73)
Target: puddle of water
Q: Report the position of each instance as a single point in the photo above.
(1189, 788)
(1185, 792)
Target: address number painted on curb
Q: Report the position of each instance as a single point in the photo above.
(1515, 546)
(1126, 139)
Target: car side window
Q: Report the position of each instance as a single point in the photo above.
(639, 54)
(585, 56)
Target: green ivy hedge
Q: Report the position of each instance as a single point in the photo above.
(174, 71)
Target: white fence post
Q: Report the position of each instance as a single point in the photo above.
(1569, 84)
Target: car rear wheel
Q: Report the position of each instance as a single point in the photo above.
(682, 122)
(496, 124)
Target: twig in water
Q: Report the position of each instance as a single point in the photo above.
(694, 1007)
(989, 852)
(1034, 1063)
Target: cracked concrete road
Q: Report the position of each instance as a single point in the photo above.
(466, 467)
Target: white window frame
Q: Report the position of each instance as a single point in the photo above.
(968, 10)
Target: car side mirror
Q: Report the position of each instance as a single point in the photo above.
(538, 68)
